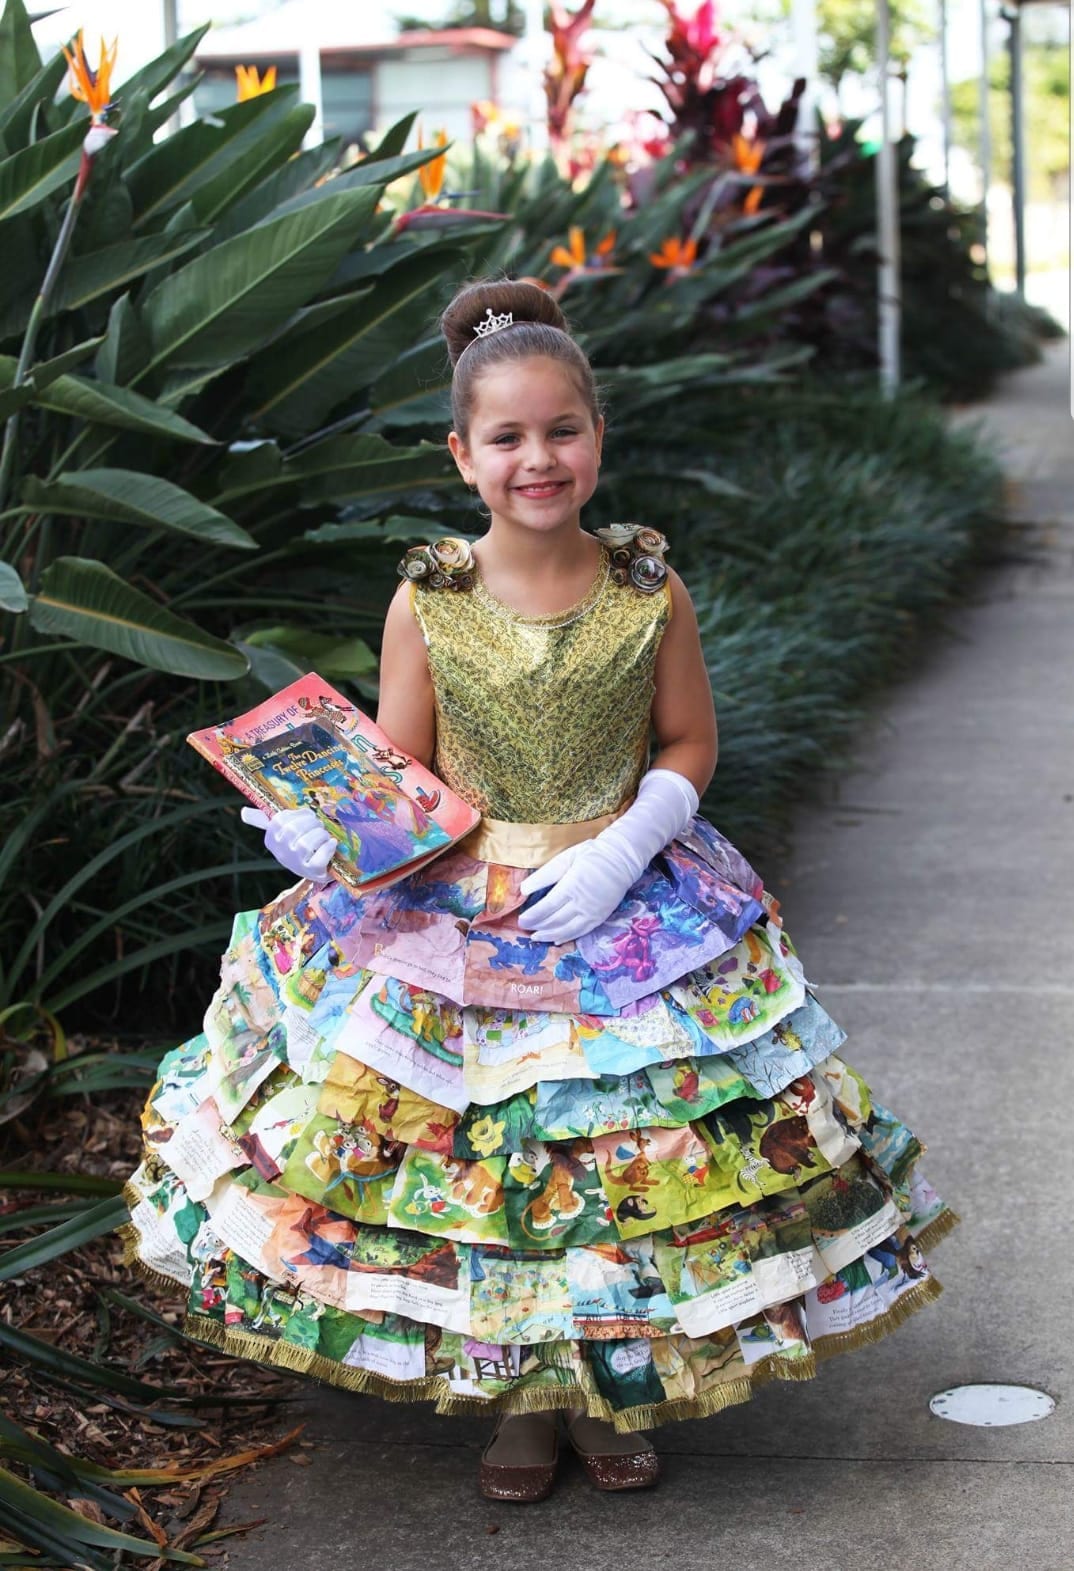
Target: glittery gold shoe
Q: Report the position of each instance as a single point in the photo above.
(612, 1461)
(519, 1462)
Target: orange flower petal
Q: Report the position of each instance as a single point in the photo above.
(89, 86)
(249, 82)
(431, 175)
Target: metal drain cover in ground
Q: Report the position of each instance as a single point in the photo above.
(992, 1405)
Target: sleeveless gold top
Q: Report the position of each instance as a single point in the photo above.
(543, 719)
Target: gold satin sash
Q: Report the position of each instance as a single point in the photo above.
(530, 845)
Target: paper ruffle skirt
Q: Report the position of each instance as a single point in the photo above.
(418, 1153)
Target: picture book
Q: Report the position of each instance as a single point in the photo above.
(308, 746)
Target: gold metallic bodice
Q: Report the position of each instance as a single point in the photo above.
(543, 719)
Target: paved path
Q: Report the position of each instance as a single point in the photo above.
(933, 901)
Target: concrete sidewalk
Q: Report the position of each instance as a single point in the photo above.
(932, 900)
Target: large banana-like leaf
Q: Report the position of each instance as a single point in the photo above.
(160, 113)
(15, 398)
(29, 176)
(86, 601)
(336, 468)
(415, 389)
(17, 111)
(127, 496)
(220, 306)
(175, 169)
(343, 468)
(779, 299)
(99, 272)
(46, 371)
(126, 350)
(102, 404)
(12, 593)
(273, 147)
(370, 171)
(335, 658)
(295, 384)
(395, 137)
(298, 174)
(20, 62)
(154, 77)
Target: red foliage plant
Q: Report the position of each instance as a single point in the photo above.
(565, 77)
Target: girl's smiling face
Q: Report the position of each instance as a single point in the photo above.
(531, 448)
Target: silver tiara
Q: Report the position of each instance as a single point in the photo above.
(492, 323)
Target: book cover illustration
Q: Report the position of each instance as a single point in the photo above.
(309, 746)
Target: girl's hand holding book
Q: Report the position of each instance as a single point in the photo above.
(297, 839)
(589, 880)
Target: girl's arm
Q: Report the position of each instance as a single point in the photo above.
(405, 711)
(684, 716)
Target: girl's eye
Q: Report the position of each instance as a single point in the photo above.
(565, 430)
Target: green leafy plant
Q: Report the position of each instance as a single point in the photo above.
(230, 423)
(182, 327)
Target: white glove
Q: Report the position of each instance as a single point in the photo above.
(297, 839)
(590, 879)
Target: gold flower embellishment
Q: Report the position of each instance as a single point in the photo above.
(637, 555)
(446, 564)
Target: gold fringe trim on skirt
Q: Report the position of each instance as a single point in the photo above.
(937, 1229)
(432, 1388)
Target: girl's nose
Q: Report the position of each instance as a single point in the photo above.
(539, 456)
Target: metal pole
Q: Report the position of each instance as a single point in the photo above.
(806, 64)
(889, 305)
(310, 86)
(1013, 18)
(170, 25)
(945, 100)
(986, 125)
(534, 57)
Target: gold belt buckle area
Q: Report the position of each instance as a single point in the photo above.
(531, 845)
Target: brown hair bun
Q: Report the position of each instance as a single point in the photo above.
(538, 328)
(523, 300)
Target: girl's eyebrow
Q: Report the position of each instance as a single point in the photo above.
(504, 425)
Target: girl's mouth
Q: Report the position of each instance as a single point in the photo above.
(541, 489)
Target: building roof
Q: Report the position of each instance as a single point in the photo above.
(339, 29)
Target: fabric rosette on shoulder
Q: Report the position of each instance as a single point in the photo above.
(448, 563)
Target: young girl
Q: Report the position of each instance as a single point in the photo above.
(554, 1124)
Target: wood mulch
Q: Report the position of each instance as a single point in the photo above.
(65, 1303)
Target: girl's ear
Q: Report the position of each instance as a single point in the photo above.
(461, 454)
(599, 436)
